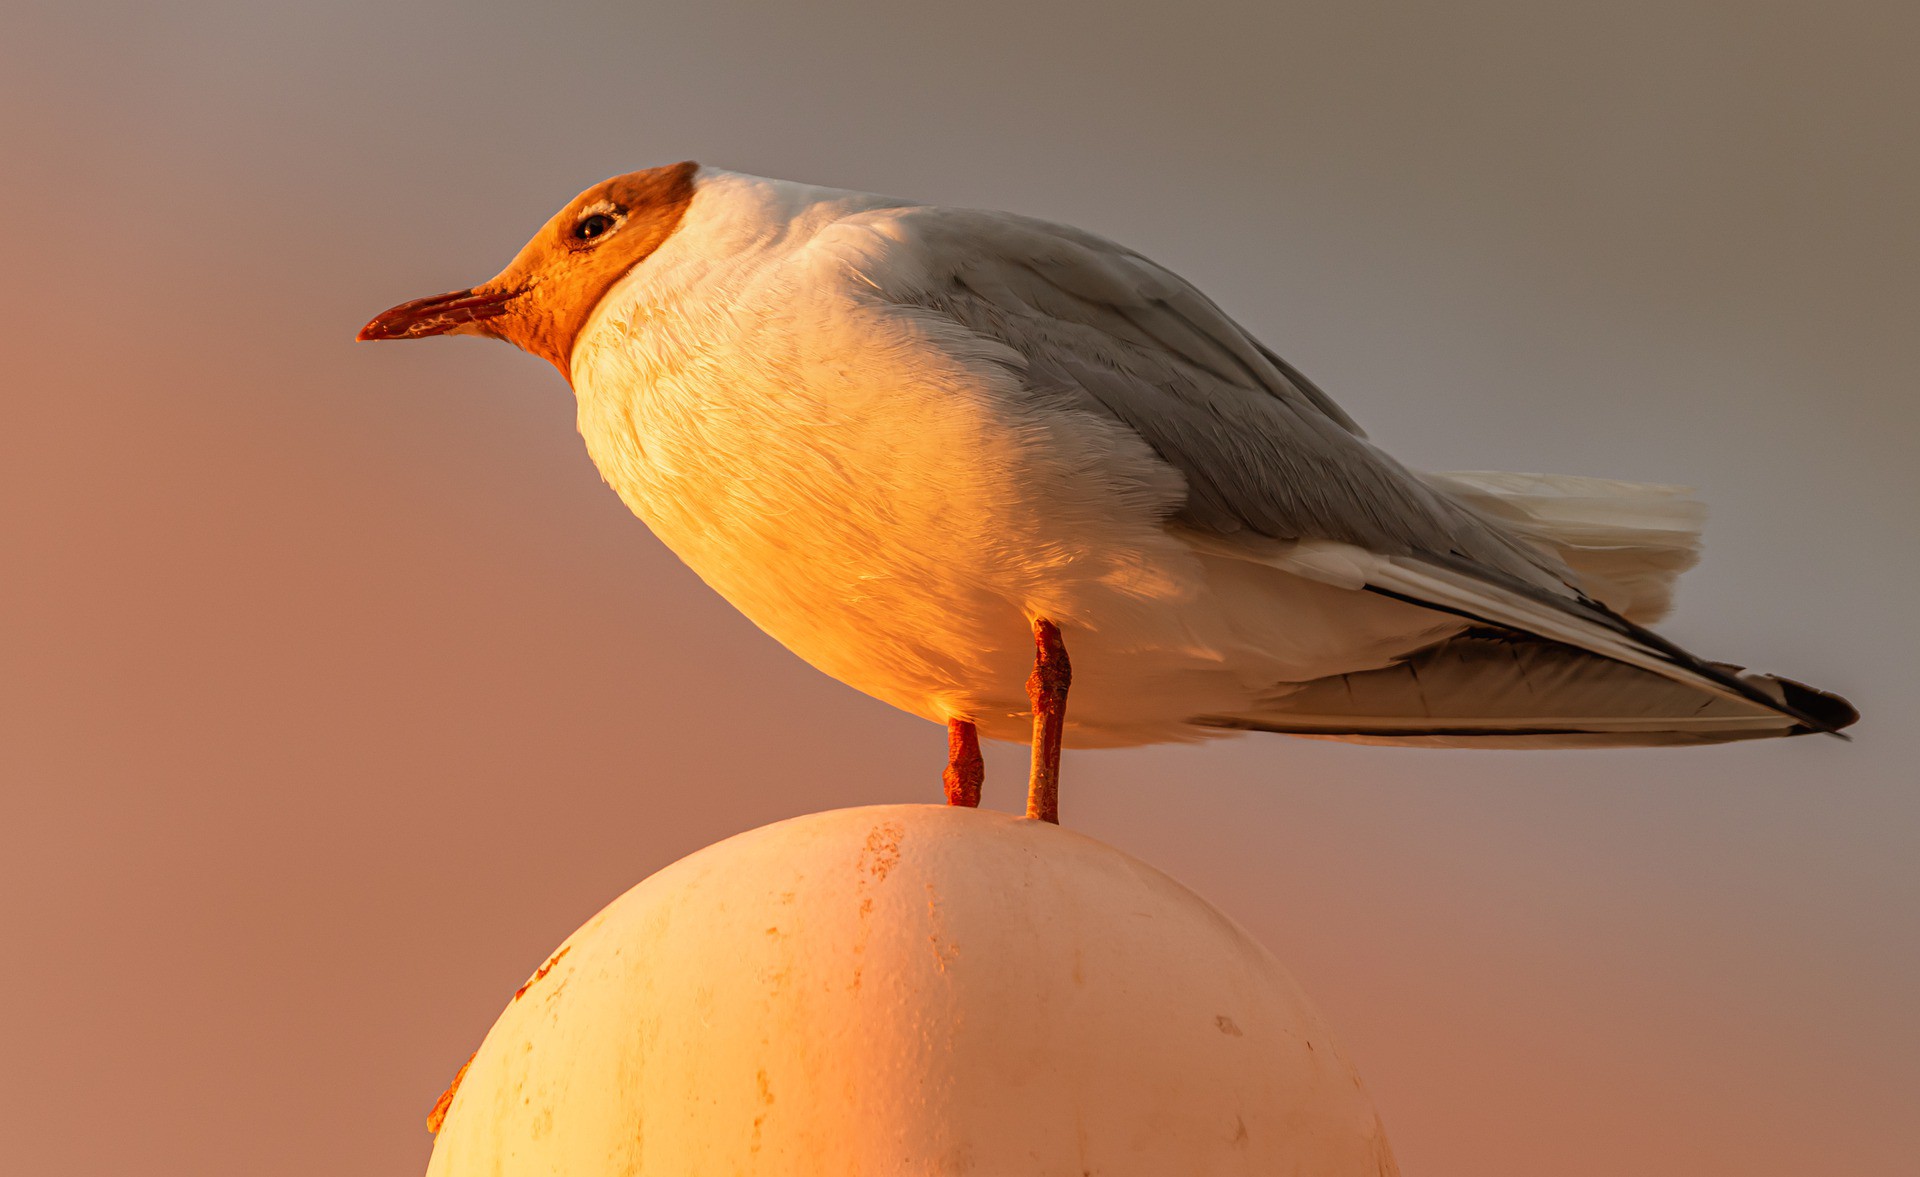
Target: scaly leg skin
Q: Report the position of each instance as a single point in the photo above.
(965, 770)
(1047, 687)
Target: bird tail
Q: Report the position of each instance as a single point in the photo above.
(1500, 689)
(1628, 542)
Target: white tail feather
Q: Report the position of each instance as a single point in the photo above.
(1628, 541)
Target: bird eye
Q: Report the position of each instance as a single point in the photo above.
(594, 226)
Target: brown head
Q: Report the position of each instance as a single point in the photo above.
(542, 299)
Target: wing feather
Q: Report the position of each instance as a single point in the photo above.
(1112, 333)
(1275, 472)
(1498, 689)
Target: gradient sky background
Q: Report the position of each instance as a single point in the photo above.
(338, 690)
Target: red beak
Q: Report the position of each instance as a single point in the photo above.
(458, 312)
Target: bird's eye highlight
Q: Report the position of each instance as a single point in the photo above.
(597, 225)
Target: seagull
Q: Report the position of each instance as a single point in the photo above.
(928, 449)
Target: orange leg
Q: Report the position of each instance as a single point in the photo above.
(1047, 687)
(965, 770)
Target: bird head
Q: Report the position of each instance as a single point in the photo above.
(542, 299)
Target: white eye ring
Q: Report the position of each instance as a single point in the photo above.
(596, 221)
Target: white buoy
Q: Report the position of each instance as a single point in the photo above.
(910, 989)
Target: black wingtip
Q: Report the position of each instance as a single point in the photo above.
(1829, 712)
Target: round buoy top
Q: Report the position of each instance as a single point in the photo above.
(909, 989)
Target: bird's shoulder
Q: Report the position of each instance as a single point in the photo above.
(1048, 288)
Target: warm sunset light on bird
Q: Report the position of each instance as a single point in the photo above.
(938, 452)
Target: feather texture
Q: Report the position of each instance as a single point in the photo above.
(1497, 689)
(1627, 542)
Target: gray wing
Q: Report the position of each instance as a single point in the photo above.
(1262, 448)
(1265, 453)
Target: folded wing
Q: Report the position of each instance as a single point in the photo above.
(1276, 472)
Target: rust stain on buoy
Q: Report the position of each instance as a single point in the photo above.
(540, 973)
(438, 1115)
(766, 1101)
(882, 850)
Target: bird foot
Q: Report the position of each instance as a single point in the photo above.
(1047, 687)
(965, 769)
